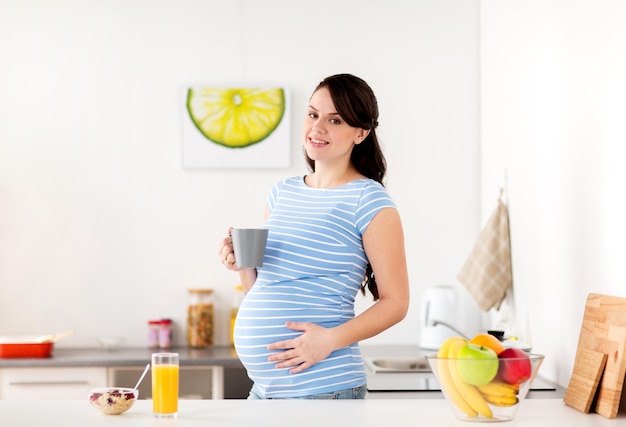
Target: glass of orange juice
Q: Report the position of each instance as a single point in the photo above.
(165, 367)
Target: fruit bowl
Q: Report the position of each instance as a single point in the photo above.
(113, 400)
(496, 398)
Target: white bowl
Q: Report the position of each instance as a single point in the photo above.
(113, 400)
(110, 343)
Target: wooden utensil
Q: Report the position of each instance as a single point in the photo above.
(54, 337)
(603, 331)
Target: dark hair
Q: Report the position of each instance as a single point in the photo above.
(357, 105)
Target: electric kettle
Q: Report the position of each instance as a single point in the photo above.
(440, 313)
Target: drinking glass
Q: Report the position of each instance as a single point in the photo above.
(165, 368)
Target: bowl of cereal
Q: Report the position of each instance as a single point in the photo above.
(113, 400)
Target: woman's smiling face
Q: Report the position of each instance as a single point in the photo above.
(327, 137)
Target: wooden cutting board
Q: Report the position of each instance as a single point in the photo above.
(603, 331)
(583, 385)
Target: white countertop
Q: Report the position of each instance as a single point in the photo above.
(301, 413)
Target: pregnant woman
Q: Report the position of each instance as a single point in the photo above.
(332, 233)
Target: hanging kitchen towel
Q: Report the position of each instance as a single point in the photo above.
(487, 272)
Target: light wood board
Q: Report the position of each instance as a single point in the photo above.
(583, 384)
(604, 330)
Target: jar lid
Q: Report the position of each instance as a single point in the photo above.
(154, 322)
(200, 291)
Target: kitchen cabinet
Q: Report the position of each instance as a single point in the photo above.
(50, 383)
(195, 382)
(213, 373)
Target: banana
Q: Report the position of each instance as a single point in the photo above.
(500, 393)
(469, 392)
(498, 388)
(446, 380)
(501, 400)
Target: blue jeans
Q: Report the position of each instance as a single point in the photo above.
(347, 393)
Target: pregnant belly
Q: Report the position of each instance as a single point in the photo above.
(256, 328)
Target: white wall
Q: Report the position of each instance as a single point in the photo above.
(552, 96)
(100, 227)
(96, 211)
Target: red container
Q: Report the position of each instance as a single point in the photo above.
(26, 350)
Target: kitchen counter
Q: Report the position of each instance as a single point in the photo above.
(304, 413)
(139, 356)
(394, 385)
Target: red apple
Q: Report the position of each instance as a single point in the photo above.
(515, 366)
(476, 364)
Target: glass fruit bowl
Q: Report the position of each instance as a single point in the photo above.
(485, 389)
(113, 400)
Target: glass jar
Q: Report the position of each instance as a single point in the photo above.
(165, 333)
(200, 318)
(234, 310)
(153, 333)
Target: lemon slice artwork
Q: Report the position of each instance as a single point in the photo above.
(236, 117)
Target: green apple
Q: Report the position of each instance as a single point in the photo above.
(477, 365)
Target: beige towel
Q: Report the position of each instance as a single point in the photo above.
(487, 272)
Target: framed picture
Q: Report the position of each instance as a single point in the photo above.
(236, 127)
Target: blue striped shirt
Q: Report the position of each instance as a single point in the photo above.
(313, 267)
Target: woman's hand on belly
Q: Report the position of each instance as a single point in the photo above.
(312, 346)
